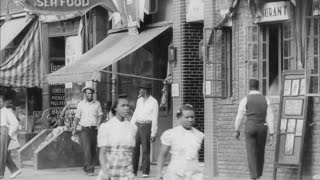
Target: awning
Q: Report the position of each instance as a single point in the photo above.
(24, 67)
(10, 30)
(113, 48)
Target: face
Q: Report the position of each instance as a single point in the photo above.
(8, 103)
(122, 108)
(187, 119)
(89, 95)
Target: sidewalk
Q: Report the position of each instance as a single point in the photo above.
(77, 174)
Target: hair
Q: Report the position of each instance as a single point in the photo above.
(253, 84)
(116, 102)
(185, 107)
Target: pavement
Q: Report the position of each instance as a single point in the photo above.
(77, 174)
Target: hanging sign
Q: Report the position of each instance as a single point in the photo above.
(65, 6)
(194, 10)
(276, 11)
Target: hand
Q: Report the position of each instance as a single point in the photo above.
(152, 139)
(238, 135)
(74, 131)
(270, 139)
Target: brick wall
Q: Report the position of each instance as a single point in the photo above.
(193, 73)
(188, 71)
(225, 155)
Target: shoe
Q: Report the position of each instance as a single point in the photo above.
(15, 174)
(90, 174)
(145, 175)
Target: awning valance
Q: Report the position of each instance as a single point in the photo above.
(10, 30)
(24, 67)
(113, 48)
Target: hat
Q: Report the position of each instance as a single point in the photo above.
(88, 87)
(145, 86)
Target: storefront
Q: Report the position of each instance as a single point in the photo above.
(263, 40)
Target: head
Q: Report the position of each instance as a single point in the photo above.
(120, 107)
(88, 94)
(144, 91)
(7, 101)
(253, 84)
(186, 116)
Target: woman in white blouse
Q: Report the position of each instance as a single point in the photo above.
(183, 142)
(116, 139)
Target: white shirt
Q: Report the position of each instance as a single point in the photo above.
(8, 119)
(242, 112)
(147, 111)
(183, 143)
(88, 112)
(115, 133)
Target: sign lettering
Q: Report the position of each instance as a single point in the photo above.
(65, 6)
(276, 11)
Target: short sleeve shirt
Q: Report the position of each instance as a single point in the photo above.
(88, 112)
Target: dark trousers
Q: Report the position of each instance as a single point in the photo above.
(143, 139)
(256, 136)
(88, 137)
(5, 155)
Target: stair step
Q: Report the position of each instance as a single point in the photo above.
(29, 163)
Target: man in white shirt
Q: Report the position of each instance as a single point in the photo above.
(88, 115)
(9, 124)
(145, 117)
(259, 120)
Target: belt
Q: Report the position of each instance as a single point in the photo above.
(89, 127)
(144, 122)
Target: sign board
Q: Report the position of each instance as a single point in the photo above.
(195, 10)
(73, 49)
(316, 7)
(65, 6)
(57, 95)
(276, 11)
(292, 122)
(37, 121)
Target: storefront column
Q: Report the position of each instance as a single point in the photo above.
(45, 55)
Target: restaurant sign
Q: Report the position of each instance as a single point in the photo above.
(65, 6)
(276, 11)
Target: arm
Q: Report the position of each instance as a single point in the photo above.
(100, 113)
(162, 155)
(154, 126)
(76, 119)
(103, 160)
(13, 123)
(241, 112)
(270, 117)
(134, 116)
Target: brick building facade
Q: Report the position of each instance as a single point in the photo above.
(224, 155)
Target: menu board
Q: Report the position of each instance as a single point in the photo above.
(57, 96)
(292, 121)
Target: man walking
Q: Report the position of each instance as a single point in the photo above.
(145, 117)
(9, 124)
(88, 115)
(259, 119)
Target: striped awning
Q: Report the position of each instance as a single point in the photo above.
(112, 49)
(24, 67)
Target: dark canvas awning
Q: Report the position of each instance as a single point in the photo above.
(112, 49)
(24, 67)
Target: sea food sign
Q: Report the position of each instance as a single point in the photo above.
(276, 11)
(65, 6)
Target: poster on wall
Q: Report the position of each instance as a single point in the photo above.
(283, 127)
(73, 49)
(287, 87)
(289, 145)
(194, 10)
(293, 107)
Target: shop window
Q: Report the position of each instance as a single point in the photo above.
(270, 51)
(218, 48)
(312, 55)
